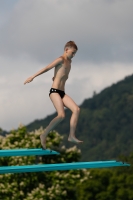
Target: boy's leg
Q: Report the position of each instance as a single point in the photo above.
(69, 103)
(58, 104)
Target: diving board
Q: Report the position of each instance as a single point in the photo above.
(61, 166)
(26, 152)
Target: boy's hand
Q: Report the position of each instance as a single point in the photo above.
(28, 80)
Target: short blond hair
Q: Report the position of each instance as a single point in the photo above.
(71, 44)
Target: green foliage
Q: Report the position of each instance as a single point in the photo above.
(107, 184)
(94, 184)
(40, 185)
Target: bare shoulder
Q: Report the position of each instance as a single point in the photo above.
(56, 62)
(59, 61)
(61, 58)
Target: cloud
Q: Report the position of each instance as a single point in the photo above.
(102, 29)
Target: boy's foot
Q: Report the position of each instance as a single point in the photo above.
(74, 140)
(43, 141)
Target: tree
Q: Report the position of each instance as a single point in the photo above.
(40, 185)
(93, 184)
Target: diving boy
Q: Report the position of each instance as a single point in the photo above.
(59, 98)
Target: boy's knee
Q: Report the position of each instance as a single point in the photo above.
(61, 116)
(77, 109)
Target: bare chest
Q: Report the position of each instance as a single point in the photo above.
(63, 69)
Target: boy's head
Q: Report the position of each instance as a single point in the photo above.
(71, 44)
(70, 49)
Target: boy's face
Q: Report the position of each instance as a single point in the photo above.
(70, 52)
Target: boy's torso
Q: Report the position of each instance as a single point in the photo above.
(61, 74)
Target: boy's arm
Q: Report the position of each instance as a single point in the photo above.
(56, 62)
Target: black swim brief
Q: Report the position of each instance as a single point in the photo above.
(60, 92)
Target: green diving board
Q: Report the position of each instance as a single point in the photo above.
(26, 152)
(61, 166)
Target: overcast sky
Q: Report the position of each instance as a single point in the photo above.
(33, 33)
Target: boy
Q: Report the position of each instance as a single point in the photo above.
(62, 66)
